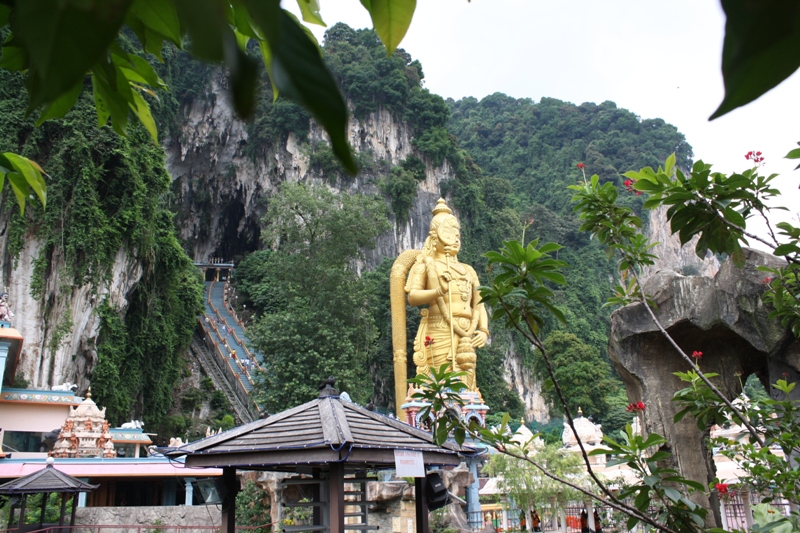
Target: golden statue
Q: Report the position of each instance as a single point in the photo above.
(455, 321)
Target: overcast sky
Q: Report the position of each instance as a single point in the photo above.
(658, 59)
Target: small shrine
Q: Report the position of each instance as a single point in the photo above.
(85, 433)
(591, 436)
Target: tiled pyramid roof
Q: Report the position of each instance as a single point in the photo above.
(48, 479)
(336, 430)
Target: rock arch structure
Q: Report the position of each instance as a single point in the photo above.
(723, 317)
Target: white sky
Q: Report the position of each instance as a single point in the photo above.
(658, 59)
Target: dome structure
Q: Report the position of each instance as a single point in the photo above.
(589, 432)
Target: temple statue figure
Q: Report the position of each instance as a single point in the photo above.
(454, 322)
(5, 309)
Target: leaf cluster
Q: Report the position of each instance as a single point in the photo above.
(662, 492)
(710, 205)
(519, 293)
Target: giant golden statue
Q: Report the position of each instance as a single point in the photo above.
(454, 322)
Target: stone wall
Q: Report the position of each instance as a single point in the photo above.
(148, 517)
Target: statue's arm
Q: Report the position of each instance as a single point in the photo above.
(482, 331)
(419, 293)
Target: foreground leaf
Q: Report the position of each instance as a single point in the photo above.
(64, 40)
(761, 49)
(391, 19)
(299, 72)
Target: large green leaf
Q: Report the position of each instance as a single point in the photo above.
(63, 40)
(20, 188)
(761, 49)
(61, 105)
(112, 99)
(243, 77)
(310, 10)
(24, 175)
(142, 110)
(208, 27)
(159, 16)
(299, 72)
(391, 19)
(13, 59)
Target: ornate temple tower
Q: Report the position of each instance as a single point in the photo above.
(85, 433)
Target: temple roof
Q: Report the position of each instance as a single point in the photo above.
(48, 479)
(317, 432)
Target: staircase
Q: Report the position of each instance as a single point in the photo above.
(212, 370)
(224, 349)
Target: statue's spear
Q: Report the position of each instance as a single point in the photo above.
(450, 310)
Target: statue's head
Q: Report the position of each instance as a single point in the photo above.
(3, 296)
(445, 232)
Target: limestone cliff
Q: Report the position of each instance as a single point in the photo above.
(671, 255)
(208, 159)
(524, 382)
(61, 327)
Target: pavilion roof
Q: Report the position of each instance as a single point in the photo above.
(48, 479)
(323, 430)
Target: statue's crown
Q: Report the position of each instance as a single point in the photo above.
(441, 207)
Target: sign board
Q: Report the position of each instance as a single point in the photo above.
(408, 463)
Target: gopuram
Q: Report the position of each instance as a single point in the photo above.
(85, 433)
(454, 321)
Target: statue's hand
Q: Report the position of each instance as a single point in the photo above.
(447, 277)
(479, 339)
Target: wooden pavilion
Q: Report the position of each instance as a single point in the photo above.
(44, 482)
(334, 441)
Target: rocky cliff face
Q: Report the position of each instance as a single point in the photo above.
(61, 328)
(209, 163)
(527, 386)
(671, 255)
(723, 317)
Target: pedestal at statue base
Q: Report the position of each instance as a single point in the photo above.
(472, 408)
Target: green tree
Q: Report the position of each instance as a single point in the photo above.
(313, 320)
(527, 486)
(253, 507)
(581, 372)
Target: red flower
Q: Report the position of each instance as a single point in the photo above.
(635, 407)
(428, 341)
(755, 157)
(697, 355)
(766, 281)
(722, 488)
(629, 187)
(581, 166)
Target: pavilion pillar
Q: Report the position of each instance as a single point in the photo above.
(22, 512)
(63, 510)
(43, 509)
(11, 509)
(336, 498)
(189, 498)
(74, 509)
(421, 495)
(229, 501)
